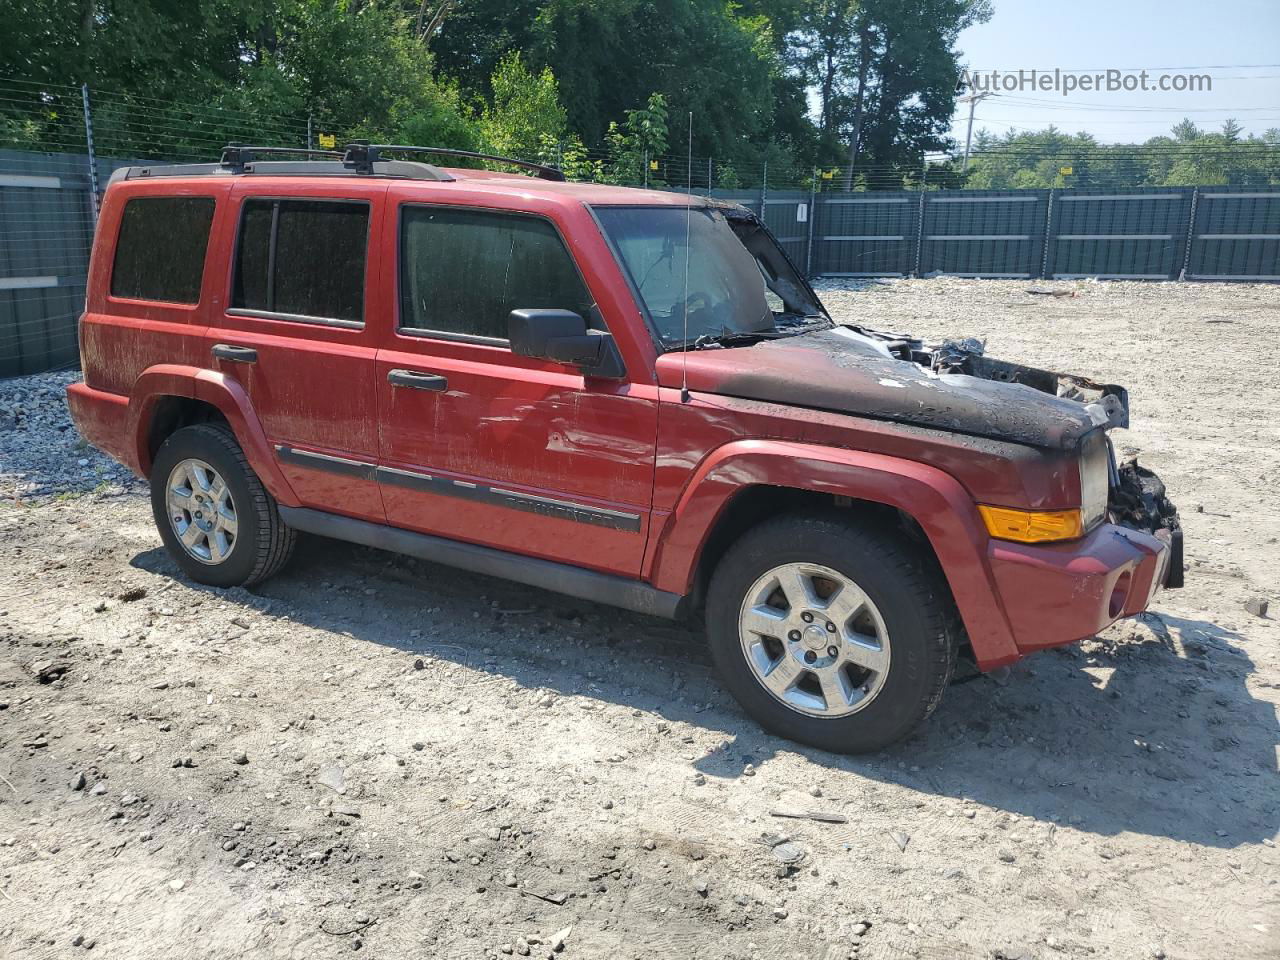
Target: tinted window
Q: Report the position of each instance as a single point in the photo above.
(464, 271)
(160, 252)
(302, 257)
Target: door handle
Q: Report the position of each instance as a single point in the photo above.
(417, 381)
(227, 351)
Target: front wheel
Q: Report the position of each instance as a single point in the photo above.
(830, 633)
(216, 519)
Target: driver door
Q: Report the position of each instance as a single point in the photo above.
(482, 445)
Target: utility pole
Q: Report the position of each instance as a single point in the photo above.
(972, 99)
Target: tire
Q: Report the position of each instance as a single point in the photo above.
(898, 621)
(261, 543)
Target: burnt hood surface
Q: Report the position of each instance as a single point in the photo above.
(948, 386)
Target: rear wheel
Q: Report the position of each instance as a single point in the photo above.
(831, 634)
(215, 517)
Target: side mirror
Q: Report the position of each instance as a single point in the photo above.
(562, 336)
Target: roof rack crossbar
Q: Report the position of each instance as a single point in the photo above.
(236, 155)
(361, 156)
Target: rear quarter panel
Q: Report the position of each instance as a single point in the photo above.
(120, 338)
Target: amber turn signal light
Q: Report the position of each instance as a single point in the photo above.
(1032, 526)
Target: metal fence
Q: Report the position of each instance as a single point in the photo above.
(47, 217)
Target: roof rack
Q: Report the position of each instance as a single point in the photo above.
(236, 155)
(361, 157)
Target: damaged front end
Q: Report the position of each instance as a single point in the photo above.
(1136, 497)
(1138, 500)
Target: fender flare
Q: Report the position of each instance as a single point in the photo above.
(935, 499)
(220, 391)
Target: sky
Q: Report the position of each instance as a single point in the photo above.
(1235, 42)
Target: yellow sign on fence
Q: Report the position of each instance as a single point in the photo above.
(328, 141)
(1066, 171)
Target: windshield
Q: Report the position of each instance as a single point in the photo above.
(732, 292)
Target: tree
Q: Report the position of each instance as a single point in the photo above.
(525, 110)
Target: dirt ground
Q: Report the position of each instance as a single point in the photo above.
(373, 753)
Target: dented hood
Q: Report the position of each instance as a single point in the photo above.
(887, 377)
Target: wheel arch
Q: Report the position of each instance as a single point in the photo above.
(168, 397)
(745, 481)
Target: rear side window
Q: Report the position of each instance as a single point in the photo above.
(463, 271)
(161, 247)
(303, 259)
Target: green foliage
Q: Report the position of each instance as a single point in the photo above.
(525, 111)
(1187, 157)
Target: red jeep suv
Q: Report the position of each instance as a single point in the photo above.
(623, 395)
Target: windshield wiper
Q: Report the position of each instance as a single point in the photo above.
(730, 338)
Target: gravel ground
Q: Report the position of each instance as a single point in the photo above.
(373, 752)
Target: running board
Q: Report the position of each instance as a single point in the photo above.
(558, 577)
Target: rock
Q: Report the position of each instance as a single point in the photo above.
(78, 782)
(176, 885)
(418, 664)
(240, 759)
(509, 879)
(699, 779)
(522, 947)
(860, 928)
(608, 805)
(47, 671)
(333, 778)
(749, 770)
(1257, 606)
(649, 845)
(901, 839)
(556, 943)
(419, 745)
(700, 887)
(228, 845)
(98, 789)
(77, 939)
(1006, 855)
(815, 791)
(788, 852)
(780, 913)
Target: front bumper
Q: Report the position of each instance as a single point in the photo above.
(1060, 593)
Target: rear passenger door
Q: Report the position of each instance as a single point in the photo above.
(482, 445)
(297, 333)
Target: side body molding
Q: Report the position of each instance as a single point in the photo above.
(935, 499)
(219, 390)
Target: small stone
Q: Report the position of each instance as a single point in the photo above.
(970, 814)
(780, 913)
(700, 887)
(901, 839)
(240, 759)
(78, 782)
(493, 833)
(788, 852)
(749, 770)
(699, 779)
(176, 885)
(650, 845)
(608, 805)
(228, 845)
(556, 943)
(419, 746)
(815, 791)
(860, 928)
(1006, 855)
(1257, 606)
(418, 664)
(98, 789)
(332, 778)
(77, 939)
(509, 879)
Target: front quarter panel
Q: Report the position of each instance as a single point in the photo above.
(944, 510)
